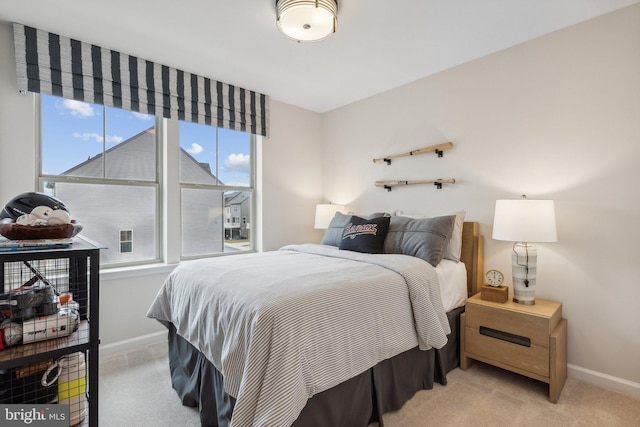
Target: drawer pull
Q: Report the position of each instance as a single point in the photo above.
(505, 336)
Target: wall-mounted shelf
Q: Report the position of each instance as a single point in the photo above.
(437, 149)
(388, 185)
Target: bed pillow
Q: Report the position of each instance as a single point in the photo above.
(425, 238)
(333, 235)
(365, 235)
(454, 248)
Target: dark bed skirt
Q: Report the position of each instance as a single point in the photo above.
(355, 402)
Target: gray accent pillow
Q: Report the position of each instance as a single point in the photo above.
(425, 238)
(333, 235)
(454, 248)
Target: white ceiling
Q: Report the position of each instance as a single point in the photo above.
(379, 44)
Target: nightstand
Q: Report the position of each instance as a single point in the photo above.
(530, 340)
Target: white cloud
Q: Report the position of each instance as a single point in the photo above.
(97, 137)
(78, 108)
(142, 116)
(237, 162)
(195, 149)
(236, 183)
(114, 139)
(87, 136)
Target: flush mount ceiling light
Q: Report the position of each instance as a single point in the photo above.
(307, 20)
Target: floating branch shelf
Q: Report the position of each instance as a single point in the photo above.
(437, 149)
(388, 185)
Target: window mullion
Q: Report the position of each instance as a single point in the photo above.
(104, 142)
(217, 159)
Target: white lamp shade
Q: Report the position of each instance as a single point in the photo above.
(325, 213)
(525, 220)
(306, 20)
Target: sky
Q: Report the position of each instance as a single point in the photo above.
(73, 130)
(233, 149)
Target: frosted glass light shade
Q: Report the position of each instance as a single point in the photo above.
(525, 220)
(307, 20)
(325, 213)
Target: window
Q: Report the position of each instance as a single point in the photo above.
(126, 241)
(103, 164)
(216, 181)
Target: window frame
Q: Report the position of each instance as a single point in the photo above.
(251, 188)
(41, 179)
(163, 190)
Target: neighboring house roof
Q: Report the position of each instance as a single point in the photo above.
(134, 159)
(195, 172)
(235, 197)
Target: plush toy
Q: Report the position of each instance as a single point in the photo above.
(41, 212)
(44, 215)
(57, 217)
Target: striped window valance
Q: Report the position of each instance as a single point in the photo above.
(60, 66)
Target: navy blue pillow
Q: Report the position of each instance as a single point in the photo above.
(333, 235)
(365, 235)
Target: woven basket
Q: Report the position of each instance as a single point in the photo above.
(13, 231)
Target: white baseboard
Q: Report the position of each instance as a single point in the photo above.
(133, 343)
(604, 380)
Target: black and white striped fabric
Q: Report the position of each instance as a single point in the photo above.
(282, 326)
(56, 65)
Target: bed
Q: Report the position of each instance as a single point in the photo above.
(328, 337)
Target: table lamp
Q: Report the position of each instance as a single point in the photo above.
(325, 213)
(524, 221)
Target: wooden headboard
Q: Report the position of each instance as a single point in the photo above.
(473, 256)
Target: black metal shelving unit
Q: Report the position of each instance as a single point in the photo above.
(75, 270)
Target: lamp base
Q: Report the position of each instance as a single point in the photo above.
(523, 264)
(525, 302)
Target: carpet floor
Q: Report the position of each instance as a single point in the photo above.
(135, 390)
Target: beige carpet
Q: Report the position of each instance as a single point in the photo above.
(135, 390)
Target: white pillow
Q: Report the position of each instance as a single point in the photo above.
(454, 248)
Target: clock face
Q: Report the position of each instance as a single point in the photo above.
(494, 278)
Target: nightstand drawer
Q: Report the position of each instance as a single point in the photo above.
(530, 340)
(535, 328)
(534, 358)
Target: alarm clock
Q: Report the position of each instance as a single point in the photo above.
(494, 278)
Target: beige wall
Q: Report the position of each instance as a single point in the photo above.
(291, 176)
(557, 117)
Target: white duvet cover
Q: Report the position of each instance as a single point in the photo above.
(282, 326)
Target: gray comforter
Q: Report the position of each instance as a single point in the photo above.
(282, 326)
